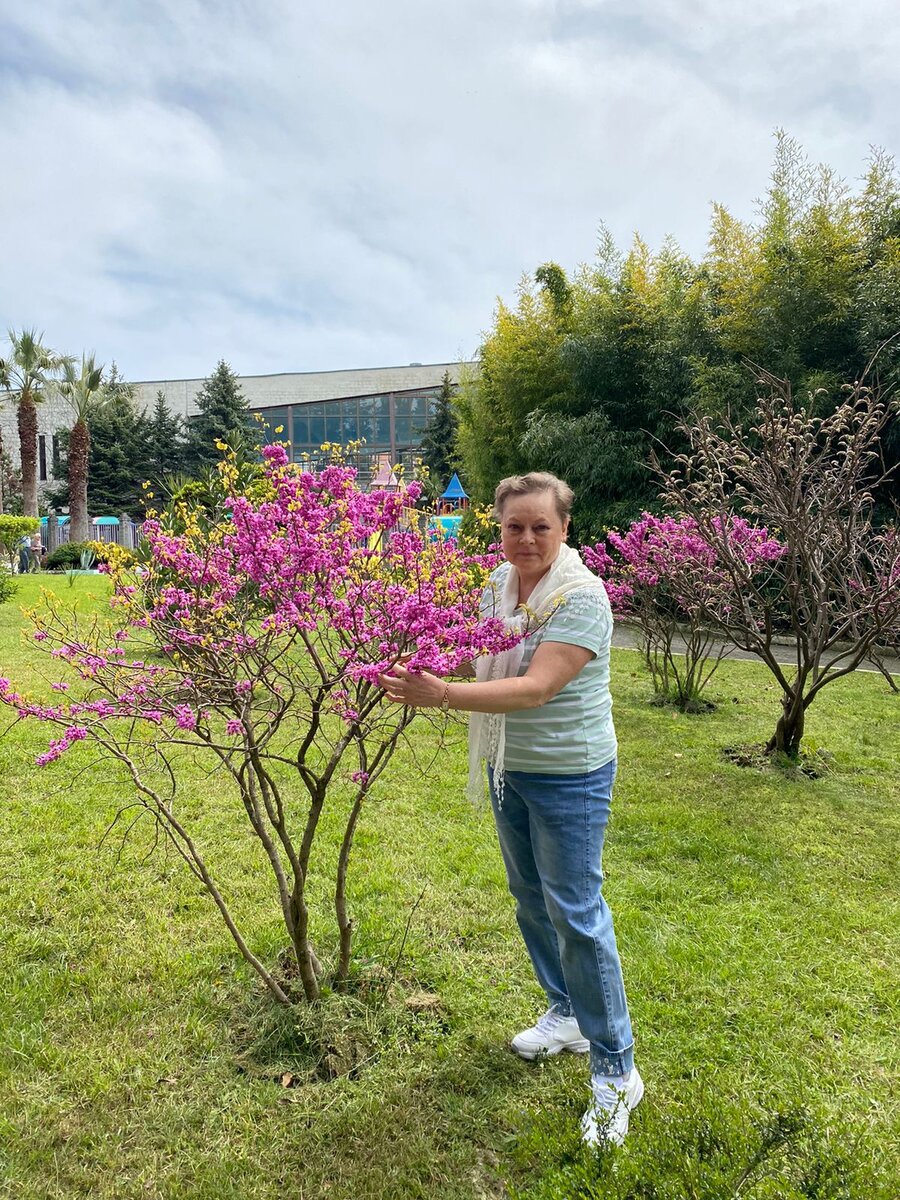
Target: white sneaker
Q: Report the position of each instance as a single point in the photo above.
(552, 1034)
(615, 1098)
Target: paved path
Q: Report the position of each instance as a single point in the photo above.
(625, 638)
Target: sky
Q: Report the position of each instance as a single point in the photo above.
(297, 186)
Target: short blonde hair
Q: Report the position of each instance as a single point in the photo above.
(526, 485)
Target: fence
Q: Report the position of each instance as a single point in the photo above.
(56, 532)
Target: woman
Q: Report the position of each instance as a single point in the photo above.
(542, 720)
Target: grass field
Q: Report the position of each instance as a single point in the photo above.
(758, 920)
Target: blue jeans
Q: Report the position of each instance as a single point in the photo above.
(551, 831)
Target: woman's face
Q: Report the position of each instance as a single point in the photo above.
(531, 533)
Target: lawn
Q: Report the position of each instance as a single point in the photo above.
(758, 921)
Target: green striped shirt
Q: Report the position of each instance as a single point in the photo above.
(573, 733)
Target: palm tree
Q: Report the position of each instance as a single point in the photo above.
(27, 370)
(86, 393)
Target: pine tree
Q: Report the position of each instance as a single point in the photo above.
(223, 416)
(166, 441)
(439, 442)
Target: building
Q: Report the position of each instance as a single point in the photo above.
(386, 408)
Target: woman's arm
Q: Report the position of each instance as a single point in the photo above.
(553, 666)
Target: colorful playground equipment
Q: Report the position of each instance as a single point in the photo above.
(450, 507)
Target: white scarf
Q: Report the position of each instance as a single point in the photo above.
(487, 731)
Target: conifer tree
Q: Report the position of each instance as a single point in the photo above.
(439, 442)
(223, 416)
(166, 442)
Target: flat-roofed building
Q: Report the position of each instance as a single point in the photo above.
(386, 408)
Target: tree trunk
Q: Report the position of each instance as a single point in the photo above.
(345, 924)
(789, 730)
(308, 965)
(79, 448)
(28, 445)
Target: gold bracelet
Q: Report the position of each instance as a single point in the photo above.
(445, 699)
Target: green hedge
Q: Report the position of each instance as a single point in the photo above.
(68, 556)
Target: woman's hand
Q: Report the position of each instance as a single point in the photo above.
(418, 691)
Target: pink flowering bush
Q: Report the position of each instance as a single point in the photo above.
(254, 631)
(832, 591)
(668, 579)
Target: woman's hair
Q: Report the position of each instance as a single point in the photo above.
(534, 481)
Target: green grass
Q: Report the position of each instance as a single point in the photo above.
(757, 918)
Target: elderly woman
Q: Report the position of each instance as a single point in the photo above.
(542, 721)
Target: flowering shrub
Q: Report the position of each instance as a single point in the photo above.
(668, 578)
(832, 591)
(254, 629)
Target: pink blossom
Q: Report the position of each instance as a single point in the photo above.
(185, 717)
(309, 568)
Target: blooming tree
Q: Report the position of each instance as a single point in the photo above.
(655, 574)
(832, 592)
(254, 634)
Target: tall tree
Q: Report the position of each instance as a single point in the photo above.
(633, 325)
(520, 372)
(10, 483)
(83, 388)
(118, 457)
(27, 370)
(165, 432)
(585, 374)
(439, 443)
(223, 416)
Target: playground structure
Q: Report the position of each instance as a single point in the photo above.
(451, 505)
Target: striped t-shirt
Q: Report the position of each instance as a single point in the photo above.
(572, 733)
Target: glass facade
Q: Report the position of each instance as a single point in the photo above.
(273, 421)
(393, 423)
(386, 424)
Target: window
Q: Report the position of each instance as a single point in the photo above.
(316, 414)
(406, 431)
(272, 418)
(42, 457)
(333, 421)
(383, 430)
(375, 421)
(349, 422)
(300, 422)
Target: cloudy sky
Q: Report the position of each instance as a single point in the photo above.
(306, 186)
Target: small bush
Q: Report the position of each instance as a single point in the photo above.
(478, 530)
(67, 557)
(111, 552)
(8, 584)
(12, 530)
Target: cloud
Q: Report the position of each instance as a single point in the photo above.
(299, 187)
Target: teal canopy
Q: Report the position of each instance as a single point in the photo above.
(105, 521)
